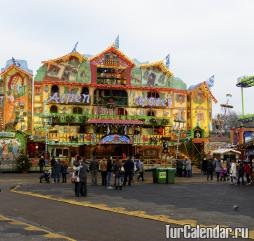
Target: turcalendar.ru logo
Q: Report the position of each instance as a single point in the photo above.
(198, 232)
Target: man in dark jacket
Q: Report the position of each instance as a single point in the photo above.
(209, 169)
(83, 179)
(93, 169)
(128, 171)
(41, 163)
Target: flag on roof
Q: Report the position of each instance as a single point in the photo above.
(168, 60)
(116, 43)
(210, 81)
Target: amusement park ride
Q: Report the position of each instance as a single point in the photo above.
(245, 82)
(222, 119)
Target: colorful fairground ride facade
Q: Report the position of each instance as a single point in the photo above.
(111, 105)
(15, 111)
(243, 135)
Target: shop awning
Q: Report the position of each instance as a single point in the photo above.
(110, 121)
(225, 151)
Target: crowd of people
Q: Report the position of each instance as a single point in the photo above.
(235, 171)
(57, 170)
(183, 168)
(114, 173)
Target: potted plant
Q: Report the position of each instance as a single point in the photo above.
(23, 163)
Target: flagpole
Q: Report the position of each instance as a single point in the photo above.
(242, 101)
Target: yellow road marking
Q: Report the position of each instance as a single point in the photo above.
(121, 210)
(30, 227)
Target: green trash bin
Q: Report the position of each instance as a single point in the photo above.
(171, 173)
(161, 175)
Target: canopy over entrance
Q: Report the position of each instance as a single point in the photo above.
(115, 139)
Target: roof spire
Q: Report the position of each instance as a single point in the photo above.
(116, 43)
(14, 62)
(75, 47)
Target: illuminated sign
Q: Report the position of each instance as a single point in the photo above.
(141, 101)
(69, 98)
(115, 139)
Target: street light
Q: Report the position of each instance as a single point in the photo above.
(46, 121)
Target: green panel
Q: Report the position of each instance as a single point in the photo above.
(136, 76)
(41, 72)
(84, 73)
(176, 83)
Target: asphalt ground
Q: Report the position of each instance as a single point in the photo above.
(139, 212)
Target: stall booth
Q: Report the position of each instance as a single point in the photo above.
(226, 154)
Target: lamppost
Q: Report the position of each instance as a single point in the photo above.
(179, 121)
(47, 120)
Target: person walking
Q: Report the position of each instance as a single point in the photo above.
(128, 171)
(141, 171)
(42, 164)
(103, 169)
(93, 169)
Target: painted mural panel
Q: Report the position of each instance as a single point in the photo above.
(154, 76)
(149, 76)
(71, 71)
(9, 149)
(17, 102)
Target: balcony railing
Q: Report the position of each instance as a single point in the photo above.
(60, 118)
(93, 139)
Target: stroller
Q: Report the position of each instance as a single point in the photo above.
(46, 176)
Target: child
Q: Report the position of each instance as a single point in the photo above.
(46, 176)
(223, 173)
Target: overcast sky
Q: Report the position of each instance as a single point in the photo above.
(203, 37)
